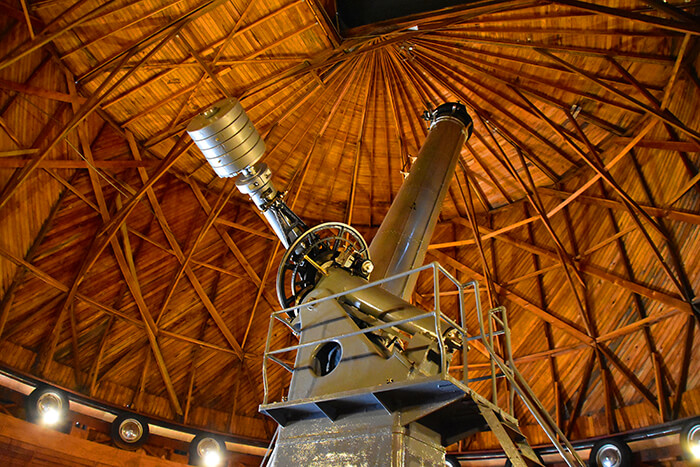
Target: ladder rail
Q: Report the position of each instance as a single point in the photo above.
(520, 385)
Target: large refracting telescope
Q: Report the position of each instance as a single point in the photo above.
(369, 383)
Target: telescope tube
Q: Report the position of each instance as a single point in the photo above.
(403, 237)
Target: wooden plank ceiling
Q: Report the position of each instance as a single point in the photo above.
(131, 274)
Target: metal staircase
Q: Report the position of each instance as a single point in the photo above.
(514, 444)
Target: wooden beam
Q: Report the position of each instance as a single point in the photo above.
(582, 391)
(100, 242)
(87, 43)
(174, 27)
(657, 362)
(629, 375)
(663, 115)
(183, 260)
(477, 63)
(667, 213)
(53, 282)
(641, 313)
(646, 127)
(205, 66)
(125, 260)
(633, 208)
(600, 273)
(428, 69)
(672, 11)
(490, 288)
(97, 362)
(607, 379)
(32, 252)
(220, 73)
(86, 109)
(272, 301)
(679, 26)
(39, 92)
(494, 180)
(13, 162)
(569, 49)
(471, 178)
(592, 159)
(15, 13)
(47, 35)
(245, 228)
(685, 146)
(685, 359)
(18, 152)
(75, 347)
(333, 37)
(109, 229)
(224, 196)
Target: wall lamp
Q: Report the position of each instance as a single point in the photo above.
(610, 453)
(47, 406)
(206, 450)
(129, 431)
(690, 441)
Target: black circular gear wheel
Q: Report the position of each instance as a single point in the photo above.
(299, 268)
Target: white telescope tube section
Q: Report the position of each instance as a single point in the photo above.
(403, 237)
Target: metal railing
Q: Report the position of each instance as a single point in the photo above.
(519, 385)
(438, 318)
(496, 325)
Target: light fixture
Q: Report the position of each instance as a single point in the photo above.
(608, 456)
(207, 451)
(47, 406)
(690, 441)
(610, 453)
(129, 431)
(451, 461)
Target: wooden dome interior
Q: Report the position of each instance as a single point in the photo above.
(132, 275)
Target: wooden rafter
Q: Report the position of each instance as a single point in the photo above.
(101, 307)
(341, 106)
(182, 259)
(125, 261)
(680, 26)
(105, 88)
(663, 115)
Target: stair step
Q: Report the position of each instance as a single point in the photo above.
(513, 429)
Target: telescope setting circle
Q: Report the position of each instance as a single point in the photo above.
(313, 252)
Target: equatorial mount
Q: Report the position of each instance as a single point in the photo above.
(325, 246)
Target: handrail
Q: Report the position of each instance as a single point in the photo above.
(521, 386)
(437, 316)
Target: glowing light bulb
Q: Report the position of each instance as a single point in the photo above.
(50, 417)
(209, 450)
(211, 459)
(50, 408)
(695, 450)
